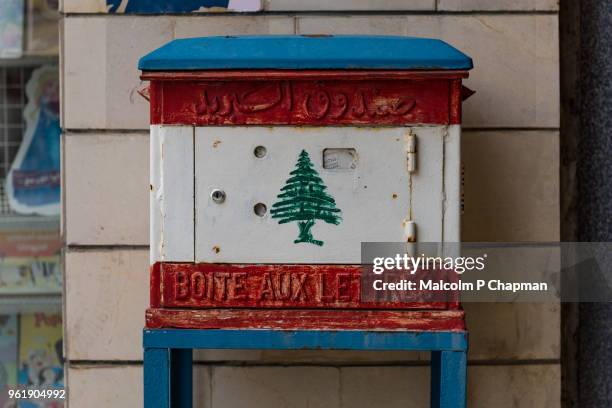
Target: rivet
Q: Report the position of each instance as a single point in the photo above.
(260, 152)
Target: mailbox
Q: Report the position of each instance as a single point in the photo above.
(274, 157)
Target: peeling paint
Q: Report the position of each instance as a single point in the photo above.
(159, 197)
(451, 320)
(445, 141)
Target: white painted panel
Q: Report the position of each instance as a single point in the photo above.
(452, 184)
(172, 203)
(374, 197)
(155, 196)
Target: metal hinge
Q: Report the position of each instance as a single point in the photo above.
(462, 188)
(411, 150)
(410, 143)
(410, 231)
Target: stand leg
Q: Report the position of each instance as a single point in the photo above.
(448, 379)
(181, 378)
(156, 378)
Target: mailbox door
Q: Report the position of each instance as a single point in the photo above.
(369, 192)
(312, 195)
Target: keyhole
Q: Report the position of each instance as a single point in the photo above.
(260, 209)
(260, 152)
(218, 196)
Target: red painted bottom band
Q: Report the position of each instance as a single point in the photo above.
(282, 319)
(203, 286)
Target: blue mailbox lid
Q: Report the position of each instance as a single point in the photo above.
(305, 52)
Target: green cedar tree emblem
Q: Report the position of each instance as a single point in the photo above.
(304, 199)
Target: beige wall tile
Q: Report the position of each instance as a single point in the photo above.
(511, 186)
(84, 6)
(524, 386)
(391, 387)
(529, 386)
(476, 5)
(121, 386)
(323, 5)
(516, 60)
(352, 24)
(101, 77)
(107, 189)
(513, 331)
(107, 293)
(202, 386)
(295, 387)
(235, 25)
(105, 386)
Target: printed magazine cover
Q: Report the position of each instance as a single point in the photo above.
(40, 356)
(11, 28)
(33, 182)
(30, 261)
(8, 357)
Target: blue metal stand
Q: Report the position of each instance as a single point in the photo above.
(168, 357)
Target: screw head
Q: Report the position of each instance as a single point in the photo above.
(260, 152)
(218, 196)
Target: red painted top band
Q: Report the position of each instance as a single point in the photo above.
(315, 98)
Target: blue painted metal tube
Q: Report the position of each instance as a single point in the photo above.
(448, 379)
(304, 339)
(181, 378)
(156, 378)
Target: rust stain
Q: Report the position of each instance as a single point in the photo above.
(145, 92)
